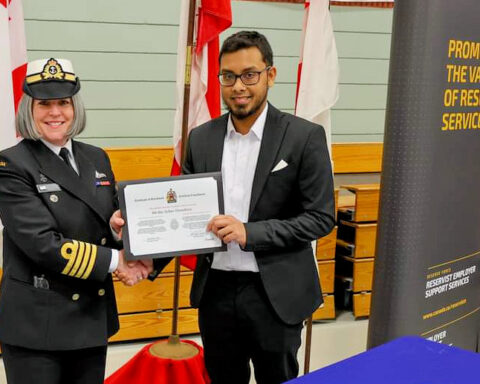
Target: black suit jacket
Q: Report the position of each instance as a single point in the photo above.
(56, 226)
(288, 208)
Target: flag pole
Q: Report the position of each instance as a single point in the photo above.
(174, 348)
(308, 346)
(174, 338)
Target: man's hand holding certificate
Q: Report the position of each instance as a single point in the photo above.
(169, 216)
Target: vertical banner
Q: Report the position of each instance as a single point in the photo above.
(426, 279)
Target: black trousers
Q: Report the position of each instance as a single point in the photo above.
(27, 366)
(238, 324)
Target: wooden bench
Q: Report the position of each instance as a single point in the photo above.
(326, 269)
(327, 310)
(355, 248)
(366, 203)
(326, 246)
(356, 240)
(357, 272)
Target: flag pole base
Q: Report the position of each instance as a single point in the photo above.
(173, 349)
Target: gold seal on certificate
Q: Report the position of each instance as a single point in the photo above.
(168, 216)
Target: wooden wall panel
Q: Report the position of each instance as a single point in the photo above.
(143, 162)
(151, 324)
(357, 157)
(153, 295)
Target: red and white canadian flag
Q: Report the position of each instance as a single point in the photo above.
(212, 18)
(318, 71)
(13, 66)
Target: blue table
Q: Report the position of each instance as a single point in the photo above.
(407, 360)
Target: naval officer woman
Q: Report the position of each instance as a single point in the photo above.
(57, 302)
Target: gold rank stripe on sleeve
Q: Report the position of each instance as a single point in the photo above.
(78, 260)
(81, 258)
(85, 260)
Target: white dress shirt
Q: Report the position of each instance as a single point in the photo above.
(56, 149)
(239, 162)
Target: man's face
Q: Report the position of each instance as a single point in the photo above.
(246, 101)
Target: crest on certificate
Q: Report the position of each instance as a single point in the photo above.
(171, 196)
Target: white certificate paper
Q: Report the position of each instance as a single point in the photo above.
(168, 217)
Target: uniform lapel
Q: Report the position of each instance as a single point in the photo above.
(85, 168)
(216, 140)
(54, 168)
(273, 134)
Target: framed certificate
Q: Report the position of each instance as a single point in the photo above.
(168, 216)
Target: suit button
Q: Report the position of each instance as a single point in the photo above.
(75, 296)
(101, 292)
(103, 241)
(53, 198)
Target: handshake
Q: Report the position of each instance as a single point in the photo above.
(131, 272)
(226, 227)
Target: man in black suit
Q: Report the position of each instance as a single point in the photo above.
(278, 189)
(278, 192)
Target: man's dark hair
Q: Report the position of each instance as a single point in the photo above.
(248, 39)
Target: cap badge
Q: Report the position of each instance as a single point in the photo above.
(53, 70)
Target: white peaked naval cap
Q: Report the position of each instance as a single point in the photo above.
(51, 79)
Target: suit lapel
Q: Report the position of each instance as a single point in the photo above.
(214, 145)
(273, 134)
(53, 167)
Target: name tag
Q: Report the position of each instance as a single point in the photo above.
(45, 188)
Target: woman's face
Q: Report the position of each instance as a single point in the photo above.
(53, 119)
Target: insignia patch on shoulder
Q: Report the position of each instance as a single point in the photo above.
(3, 163)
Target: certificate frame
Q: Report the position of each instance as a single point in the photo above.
(122, 185)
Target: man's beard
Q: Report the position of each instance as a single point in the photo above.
(242, 114)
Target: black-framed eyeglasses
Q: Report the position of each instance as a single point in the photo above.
(227, 79)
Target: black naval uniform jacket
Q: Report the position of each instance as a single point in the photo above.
(56, 292)
(288, 208)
